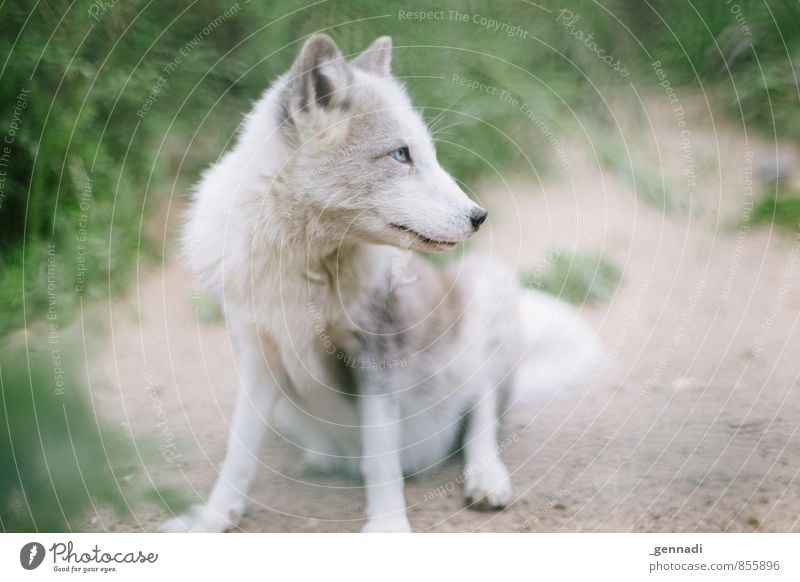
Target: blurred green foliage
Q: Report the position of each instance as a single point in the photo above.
(86, 68)
(779, 209)
(55, 458)
(206, 309)
(60, 463)
(577, 278)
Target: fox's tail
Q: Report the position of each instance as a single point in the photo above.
(560, 351)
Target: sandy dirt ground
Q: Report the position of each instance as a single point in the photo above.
(692, 424)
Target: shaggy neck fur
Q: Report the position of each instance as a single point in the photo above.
(304, 239)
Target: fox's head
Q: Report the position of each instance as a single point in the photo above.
(363, 156)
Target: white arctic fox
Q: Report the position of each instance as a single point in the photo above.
(365, 354)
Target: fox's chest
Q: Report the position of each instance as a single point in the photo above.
(320, 302)
(321, 310)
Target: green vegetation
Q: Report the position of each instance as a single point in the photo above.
(783, 210)
(206, 309)
(57, 460)
(116, 107)
(577, 278)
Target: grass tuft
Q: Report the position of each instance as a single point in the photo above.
(577, 278)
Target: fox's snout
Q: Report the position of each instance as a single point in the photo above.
(478, 217)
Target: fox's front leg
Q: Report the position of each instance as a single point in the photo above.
(380, 465)
(487, 484)
(260, 373)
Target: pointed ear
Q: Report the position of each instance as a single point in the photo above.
(377, 59)
(320, 76)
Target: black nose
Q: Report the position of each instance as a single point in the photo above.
(477, 217)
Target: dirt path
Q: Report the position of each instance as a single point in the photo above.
(692, 426)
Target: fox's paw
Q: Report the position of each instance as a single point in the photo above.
(201, 519)
(487, 486)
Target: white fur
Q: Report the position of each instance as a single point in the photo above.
(560, 350)
(291, 231)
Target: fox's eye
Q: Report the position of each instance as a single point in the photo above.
(401, 154)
